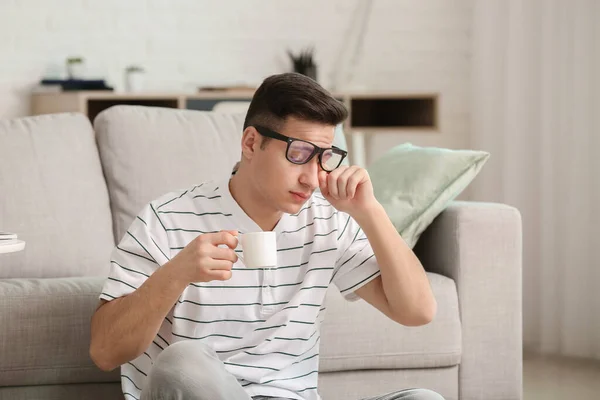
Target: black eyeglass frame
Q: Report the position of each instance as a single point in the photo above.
(266, 132)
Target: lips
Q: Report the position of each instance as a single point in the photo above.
(304, 196)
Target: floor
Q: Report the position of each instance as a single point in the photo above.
(552, 378)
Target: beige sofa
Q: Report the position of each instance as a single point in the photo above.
(71, 191)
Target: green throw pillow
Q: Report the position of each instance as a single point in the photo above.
(414, 184)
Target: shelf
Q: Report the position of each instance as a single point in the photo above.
(371, 130)
(368, 112)
(96, 105)
(391, 113)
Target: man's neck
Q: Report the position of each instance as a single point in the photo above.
(252, 202)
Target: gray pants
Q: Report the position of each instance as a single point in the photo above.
(189, 370)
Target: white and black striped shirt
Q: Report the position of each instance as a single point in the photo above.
(264, 322)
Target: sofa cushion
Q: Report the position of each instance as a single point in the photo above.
(71, 391)
(45, 331)
(45, 327)
(371, 384)
(356, 336)
(147, 152)
(53, 195)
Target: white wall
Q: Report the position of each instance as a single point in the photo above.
(409, 45)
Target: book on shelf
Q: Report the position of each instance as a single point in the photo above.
(7, 238)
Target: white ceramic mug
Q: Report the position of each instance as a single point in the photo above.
(260, 249)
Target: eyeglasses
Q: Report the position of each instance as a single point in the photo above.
(300, 151)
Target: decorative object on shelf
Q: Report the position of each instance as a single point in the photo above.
(9, 243)
(134, 78)
(304, 62)
(75, 67)
(7, 237)
(234, 88)
(69, 85)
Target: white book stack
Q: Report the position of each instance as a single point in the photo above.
(9, 242)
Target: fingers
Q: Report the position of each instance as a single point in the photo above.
(332, 182)
(219, 275)
(354, 180)
(219, 268)
(219, 265)
(344, 181)
(323, 183)
(223, 253)
(209, 256)
(228, 238)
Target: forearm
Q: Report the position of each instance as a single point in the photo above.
(404, 281)
(123, 328)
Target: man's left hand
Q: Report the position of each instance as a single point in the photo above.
(348, 189)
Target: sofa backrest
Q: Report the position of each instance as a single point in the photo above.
(147, 152)
(53, 195)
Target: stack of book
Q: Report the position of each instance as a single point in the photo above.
(9, 242)
(7, 238)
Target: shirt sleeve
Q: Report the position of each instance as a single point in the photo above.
(356, 264)
(141, 251)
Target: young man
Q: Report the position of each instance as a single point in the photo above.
(186, 320)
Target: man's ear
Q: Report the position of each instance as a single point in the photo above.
(250, 142)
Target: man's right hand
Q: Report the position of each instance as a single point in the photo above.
(122, 329)
(202, 260)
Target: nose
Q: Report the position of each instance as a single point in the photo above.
(309, 177)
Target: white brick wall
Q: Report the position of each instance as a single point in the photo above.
(410, 45)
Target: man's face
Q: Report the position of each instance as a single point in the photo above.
(285, 186)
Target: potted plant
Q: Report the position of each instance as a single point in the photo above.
(304, 63)
(75, 67)
(134, 78)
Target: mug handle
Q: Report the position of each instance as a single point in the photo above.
(240, 257)
(238, 254)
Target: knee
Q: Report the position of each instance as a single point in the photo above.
(182, 359)
(185, 352)
(189, 370)
(425, 394)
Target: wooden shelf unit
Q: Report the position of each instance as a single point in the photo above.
(369, 113)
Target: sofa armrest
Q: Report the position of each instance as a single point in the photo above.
(479, 246)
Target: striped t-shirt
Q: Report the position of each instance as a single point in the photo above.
(263, 323)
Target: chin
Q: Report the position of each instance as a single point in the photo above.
(290, 204)
(291, 208)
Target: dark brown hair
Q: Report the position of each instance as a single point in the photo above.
(292, 94)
